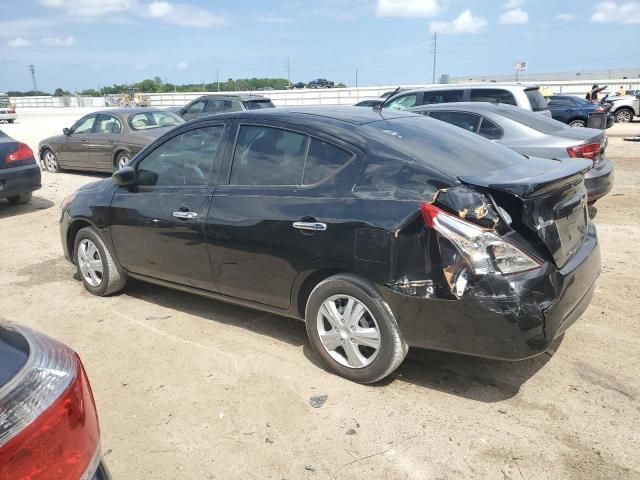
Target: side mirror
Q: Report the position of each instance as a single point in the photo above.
(66, 131)
(125, 177)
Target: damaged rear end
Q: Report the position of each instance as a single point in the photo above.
(500, 264)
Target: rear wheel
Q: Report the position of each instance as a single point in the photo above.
(577, 123)
(20, 199)
(50, 161)
(624, 115)
(122, 160)
(99, 272)
(352, 329)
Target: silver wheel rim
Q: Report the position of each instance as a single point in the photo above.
(124, 160)
(624, 116)
(576, 124)
(348, 331)
(50, 161)
(90, 263)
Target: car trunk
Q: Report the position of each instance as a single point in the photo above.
(549, 207)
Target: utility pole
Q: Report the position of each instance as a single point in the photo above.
(356, 77)
(434, 50)
(288, 63)
(33, 77)
(218, 79)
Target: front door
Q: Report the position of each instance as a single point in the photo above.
(73, 152)
(157, 227)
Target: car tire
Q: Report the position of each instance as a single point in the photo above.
(97, 269)
(20, 199)
(50, 161)
(623, 115)
(10, 121)
(337, 339)
(577, 123)
(122, 160)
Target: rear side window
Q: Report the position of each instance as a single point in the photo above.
(465, 120)
(268, 156)
(493, 95)
(490, 130)
(258, 104)
(537, 101)
(560, 102)
(442, 96)
(323, 161)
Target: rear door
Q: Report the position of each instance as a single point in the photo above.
(102, 141)
(562, 109)
(158, 227)
(277, 214)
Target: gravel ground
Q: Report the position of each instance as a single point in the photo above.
(189, 388)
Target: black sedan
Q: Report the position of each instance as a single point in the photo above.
(382, 230)
(105, 141)
(19, 172)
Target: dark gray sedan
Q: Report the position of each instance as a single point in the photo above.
(532, 135)
(105, 141)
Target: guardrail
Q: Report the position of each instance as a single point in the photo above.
(295, 97)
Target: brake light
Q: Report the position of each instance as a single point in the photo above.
(484, 251)
(589, 150)
(22, 153)
(48, 420)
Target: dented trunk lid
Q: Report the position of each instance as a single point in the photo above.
(550, 199)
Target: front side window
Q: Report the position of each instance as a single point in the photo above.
(185, 160)
(442, 96)
(196, 107)
(268, 156)
(492, 95)
(404, 102)
(84, 125)
(465, 120)
(107, 124)
(323, 161)
(154, 119)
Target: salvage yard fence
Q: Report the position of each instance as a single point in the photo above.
(297, 97)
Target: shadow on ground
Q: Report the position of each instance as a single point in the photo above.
(478, 379)
(36, 203)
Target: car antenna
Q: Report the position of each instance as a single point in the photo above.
(379, 107)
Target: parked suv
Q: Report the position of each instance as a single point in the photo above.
(382, 230)
(212, 104)
(575, 111)
(518, 94)
(623, 108)
(7, 110)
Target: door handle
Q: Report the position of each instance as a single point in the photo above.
(185, 215)
(310, 226)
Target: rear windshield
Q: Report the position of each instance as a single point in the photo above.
(537, 101)
(536, 121)
(258, 104)
(440, 146)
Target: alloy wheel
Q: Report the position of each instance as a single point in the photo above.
(90, 263)
(123, 161)
(624, 116)
(348, 331)
(577, 124)
(50, 162)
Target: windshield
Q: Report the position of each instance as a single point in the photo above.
(537, 101)
(536, 121)
(154, 119)
(442, 147)
(258, 104)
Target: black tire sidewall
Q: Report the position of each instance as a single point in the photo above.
(116, 164)
(89, 234)
(386, 324)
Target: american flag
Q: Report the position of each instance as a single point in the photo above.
(520, 66)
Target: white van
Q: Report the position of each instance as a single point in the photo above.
(7, 110)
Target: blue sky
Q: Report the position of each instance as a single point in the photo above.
(78, 44)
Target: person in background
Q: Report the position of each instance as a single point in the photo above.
(622, 91)
(592, 95)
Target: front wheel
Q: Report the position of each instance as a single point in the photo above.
(624, 115)
(50, 161)
(577, 123)
(99, 272)
(352, 329)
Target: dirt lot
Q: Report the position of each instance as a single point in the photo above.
(189, 388)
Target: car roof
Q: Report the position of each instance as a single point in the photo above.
(459, 86)
(129, 111)
(244, 98)
(345, 114)
(467, 106)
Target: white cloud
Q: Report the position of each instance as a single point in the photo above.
(408, 8)
(565, 17)
(270, 18)
(18, 42)
(517, 16)
(58, 41)
(182, 65)
(15, 28)
(511, 4)
(463, 23)
(625, 12)
(181, 14)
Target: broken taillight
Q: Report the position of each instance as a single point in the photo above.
(588, 150)
(48, 421)
(484, 251)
